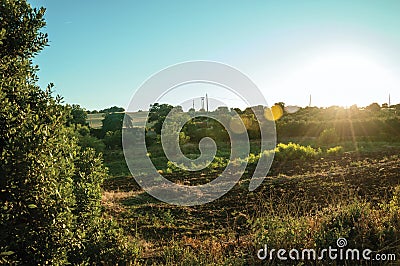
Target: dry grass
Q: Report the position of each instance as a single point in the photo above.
(112, 199)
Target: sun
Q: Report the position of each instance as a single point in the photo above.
(344, 78)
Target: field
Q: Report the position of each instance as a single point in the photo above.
(330, 197)
(303, 203)
(94, 120)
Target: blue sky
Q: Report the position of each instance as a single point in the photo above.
(341, 52)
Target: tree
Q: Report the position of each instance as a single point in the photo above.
(282, 105)
(373, 107)
(237, 110)
(78, 115)
(112, 122)
(157, 114)
(328, 136)
(114, 109)
(86, 140)
(113, 139)
(50, 190)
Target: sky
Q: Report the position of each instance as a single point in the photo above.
(340, 52)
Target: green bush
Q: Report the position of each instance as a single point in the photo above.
(353, 222)
(285, 231)
(216, 163)
(113, 139)
(294, 151)
(85, 140)
(335, 150)
(104, 244)
(50, 188)
(328, 136)
(360, 223)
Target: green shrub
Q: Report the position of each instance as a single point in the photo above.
(294, 151)
(376, 228)
(50, 188)
(85, 140)
(354, 222)
(328, 136)
(335, 150)
(217, 163)
(282, 231)
(105, 244)
(113, 139)
(362, 224)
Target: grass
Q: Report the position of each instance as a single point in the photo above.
(95, 120)
(302, 203)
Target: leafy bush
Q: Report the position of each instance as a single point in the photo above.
(216, 163)
(85, 140)
(105, 244)
(353, 222)
(282, 231)
(294, 151)
(335, 150)
(50, 188)
(362, 224)
(328, 136)
(112, 122)
(113, 139)
(78, 115)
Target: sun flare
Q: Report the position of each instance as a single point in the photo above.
(344, 78)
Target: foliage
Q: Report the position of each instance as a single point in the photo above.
(50, 188)
(371, 122)
(216, 163)
(293, 151)
(112, 122)
(25, 42)
(157, 114)
(78, 115)
(328, 136)
(284, 231)
(352, 222)
(86, 140)
(113, 139)
(114, 109)
(373, 107)
(183, 139)
(335, 150)
(358, 221)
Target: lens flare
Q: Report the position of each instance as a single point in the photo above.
(273, 113)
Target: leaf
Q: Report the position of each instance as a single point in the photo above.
(7, 253)
(32, 206)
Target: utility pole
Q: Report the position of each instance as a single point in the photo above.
(207, 102)
(193, 105)
(202, 103)
(309, 103)
(389, 101)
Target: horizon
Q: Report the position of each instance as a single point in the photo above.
(214, 108)
(339, 52)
